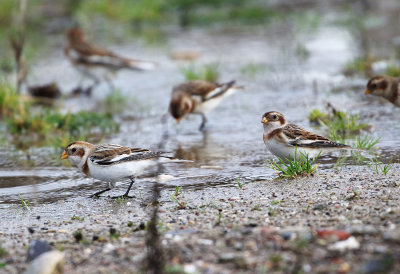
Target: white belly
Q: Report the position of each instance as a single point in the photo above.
(119, 172)
(288, 152)
(209, 105)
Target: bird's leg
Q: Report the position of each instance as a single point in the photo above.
(99, 192)
(88, 90)
(126, 195)
(203, 122)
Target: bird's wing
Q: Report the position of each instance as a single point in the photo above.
(300, 137)
(203, 89)
(108, 154)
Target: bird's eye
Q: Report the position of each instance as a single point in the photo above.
(373, 86)
(274, 117)
(73, 150)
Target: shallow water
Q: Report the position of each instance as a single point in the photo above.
(232, 146)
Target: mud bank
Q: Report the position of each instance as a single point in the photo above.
(265, 226)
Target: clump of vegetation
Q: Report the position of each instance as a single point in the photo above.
(340, 124)
(300, 165)
(240, 185)
(209, 72)
(361, 65)
(367, 142)
(34, 126)
(252, 69)
(177, 198)
(343, 124)
(77, 218)
(25, 205)
(316, 116)
(393, 71)
(379, 167)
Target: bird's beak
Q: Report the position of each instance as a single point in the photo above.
(264, 120)
(367, 91)
(178, 120)
(64, 155)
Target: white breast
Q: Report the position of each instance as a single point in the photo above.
(119, 172)
(284, 151)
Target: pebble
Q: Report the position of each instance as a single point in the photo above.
(392, 235)
(349, 244)
(36, 248)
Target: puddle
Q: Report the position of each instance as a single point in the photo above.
(232, 147)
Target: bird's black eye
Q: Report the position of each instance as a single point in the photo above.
(274, 117)
(73, 150)
(373, 86)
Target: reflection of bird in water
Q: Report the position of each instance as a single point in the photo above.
(198, 97)
(205, 152)
(95, 62)
(386, 87)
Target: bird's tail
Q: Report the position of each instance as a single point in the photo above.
(139, 64)
(231, 85)
(167, 159)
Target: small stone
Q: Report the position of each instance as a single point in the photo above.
(36, 248)
(392, 236)
(350, 243)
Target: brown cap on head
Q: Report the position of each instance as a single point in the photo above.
(273, 116)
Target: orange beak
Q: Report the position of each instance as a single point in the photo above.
(178, 120)
(264, 120)
(64, 155)
(367, 91)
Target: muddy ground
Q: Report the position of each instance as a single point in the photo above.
(265, 226)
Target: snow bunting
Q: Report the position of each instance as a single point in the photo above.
(112, 163)
(198, 97)
(95, 62)
(386, 87)
(283, 139)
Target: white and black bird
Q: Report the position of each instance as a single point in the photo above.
(286, 140)
(113, 163)
(198, 97)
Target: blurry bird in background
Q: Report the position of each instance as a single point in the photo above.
(97, 63)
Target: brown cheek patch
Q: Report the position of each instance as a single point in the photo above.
(80, 152)
(383, 85)
(281, 120)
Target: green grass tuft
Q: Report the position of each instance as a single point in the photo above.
(25, 205)
(209, 72)
(379, 167)
(294, 167)
(367, 142)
